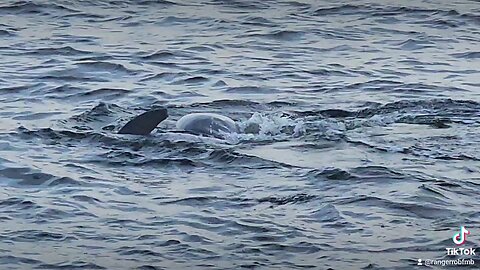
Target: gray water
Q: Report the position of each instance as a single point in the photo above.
(359, 143)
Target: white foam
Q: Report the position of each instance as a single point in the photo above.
(262, 126)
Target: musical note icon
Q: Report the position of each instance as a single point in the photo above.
(461, 237)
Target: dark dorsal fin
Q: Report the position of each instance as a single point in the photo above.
(144, 123)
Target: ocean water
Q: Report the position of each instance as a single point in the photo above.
(359, 145)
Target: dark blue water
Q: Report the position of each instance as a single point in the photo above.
(359, 143)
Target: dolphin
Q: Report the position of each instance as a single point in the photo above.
(144, 123)
(207, 124)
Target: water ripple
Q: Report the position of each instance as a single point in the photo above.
(358, 133)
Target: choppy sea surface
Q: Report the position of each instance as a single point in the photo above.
(359, 145)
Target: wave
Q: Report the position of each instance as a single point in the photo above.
(239, 4)
(292, 199)
(28, 7)
(193, 80)
(283, 35)
(29, 177)
(251, 90)
(6, 33)
(425, 210)
(386, 10)
(467, 55)
(105, 66)
(65, 50)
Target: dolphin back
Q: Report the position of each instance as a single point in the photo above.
(144, 123)
(209, 124)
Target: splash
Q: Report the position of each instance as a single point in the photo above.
(264, 126)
